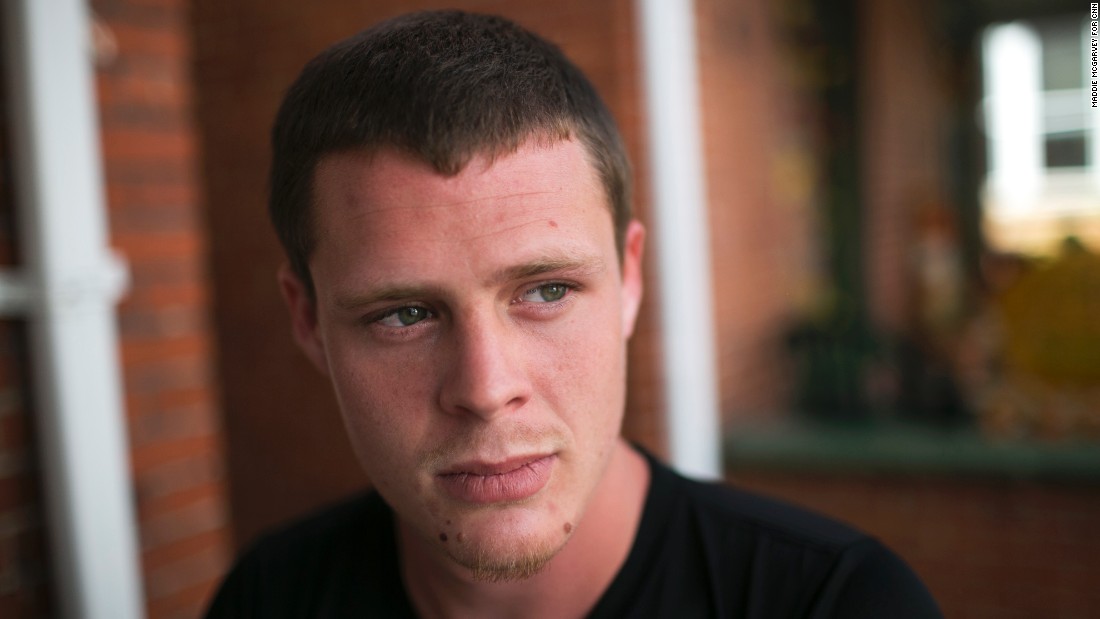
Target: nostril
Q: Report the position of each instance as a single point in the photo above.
(484, 390)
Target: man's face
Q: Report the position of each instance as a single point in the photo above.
(474, 328)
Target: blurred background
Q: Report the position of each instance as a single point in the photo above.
(903, 202)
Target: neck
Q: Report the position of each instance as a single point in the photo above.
(571, 583)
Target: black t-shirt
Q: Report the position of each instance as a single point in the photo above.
(702, 550)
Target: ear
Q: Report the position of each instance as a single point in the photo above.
(633, 249)
(303, 317)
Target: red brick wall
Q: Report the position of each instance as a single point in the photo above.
(904, 102)
(987, 548)
(156, 219)
(24, 561)
(758, 130)
(287, 449)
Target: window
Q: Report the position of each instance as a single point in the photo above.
(1043, 142)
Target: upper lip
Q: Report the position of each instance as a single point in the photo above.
(499, 467)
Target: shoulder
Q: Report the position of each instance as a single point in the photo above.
(784, 560)
(723, 515)
(730, 507)
(343, 517)
(321, 537)
(314, 566)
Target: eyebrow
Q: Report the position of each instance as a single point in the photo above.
(578, 265)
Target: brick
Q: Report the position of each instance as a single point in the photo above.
(186, 573)
(146, 245)
(155, 219)
(153, 13)
(135, 194)
(185, 603)
(129, 143)
(181, 499)
(167, 40)
(195, 519)
(145, 457)
(163, 483)
(150, 428)
(164, 295)
(168, 554)
(139, 323)
(176, 345)
(167, 282)
(148, 172)
(168, 399)
(179, 371)
(168, 115)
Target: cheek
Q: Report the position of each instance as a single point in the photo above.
(586, 375)
(384, 405)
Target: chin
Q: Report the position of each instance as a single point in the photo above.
(507, 560)
(508, 547)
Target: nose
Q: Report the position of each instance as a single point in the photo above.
(486, 374)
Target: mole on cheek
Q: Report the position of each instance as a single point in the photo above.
(553, 224)
(443, 537)
(568, 528)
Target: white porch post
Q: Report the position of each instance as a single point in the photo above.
(67, 288)
(680, 228)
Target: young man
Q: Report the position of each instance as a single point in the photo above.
(454, 201)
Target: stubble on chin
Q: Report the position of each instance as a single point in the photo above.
(492, 565)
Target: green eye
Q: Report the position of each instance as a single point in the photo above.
(546, 293)
(404, 317)
(411, 315)
(553, 292)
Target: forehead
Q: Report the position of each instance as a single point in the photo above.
(391, 174)
(387, 207)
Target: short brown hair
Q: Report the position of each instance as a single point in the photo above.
(443, 86)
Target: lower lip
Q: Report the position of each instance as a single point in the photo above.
(515, 485)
